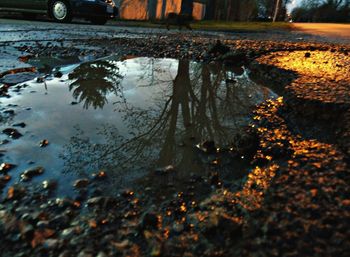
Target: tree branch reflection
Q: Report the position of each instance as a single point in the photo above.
(94, 81)
(202, 102)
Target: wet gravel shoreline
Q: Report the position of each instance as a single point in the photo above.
(295, 202)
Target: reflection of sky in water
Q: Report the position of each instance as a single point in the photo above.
(133, 108)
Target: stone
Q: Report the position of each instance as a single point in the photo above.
(50, 184)
(15, 192)
(13, 79)
(81, 183)
(21, 125)
(27, 231)
(150, 220)
(219, 48)
(6, 167)
(101, 254)
(85, 253)
(30, 173)
(13, 133)
(208, 147)
(68, 233)
(165, 170)
(44, 143)
(51, 243)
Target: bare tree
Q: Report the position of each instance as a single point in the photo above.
(164, 3)
(187, 7)
(277, 7)
(152, 9)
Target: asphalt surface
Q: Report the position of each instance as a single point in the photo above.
(17, 32)
(330, 30)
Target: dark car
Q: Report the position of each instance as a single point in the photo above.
(96, 11)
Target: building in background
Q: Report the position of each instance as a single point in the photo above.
(156, 9)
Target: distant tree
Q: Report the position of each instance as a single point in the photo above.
(274, 9)
(210, 9)
(245, 10)
(322, 11)
(164, 3)
(231, 10)
(152, 9)
(186, 7)
(277, 7)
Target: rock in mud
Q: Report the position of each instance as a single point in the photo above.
(68, 233)
(85, 253)
(219, 49)
(13, 133)
(9, 112)
(40, 80)
(4, 142)
(178, 227)
(208, 147)
(127, 193)
(21, 125)
(13, 79)
(214, 179)
(65, 203)
(101, 254)
(50, 185)
(150, 220)
(16, 192)
(4, 179)
(27, 231)
(44, 143)
(222, 224)
(30, 173)
(165, 170)
(102, 202)
(59, 221)
(99, 175)
(4, 90)
(81, 183)
(6, 167)
(58, 74)
(235, 58)
(51, 243)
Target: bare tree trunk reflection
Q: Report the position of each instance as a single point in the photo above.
(202, 102)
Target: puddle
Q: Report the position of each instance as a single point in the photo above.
(131, 118)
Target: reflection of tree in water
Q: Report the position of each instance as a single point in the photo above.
(203, 102)
(94, 81)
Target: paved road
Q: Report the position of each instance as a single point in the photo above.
(16, 32)
(341, 31)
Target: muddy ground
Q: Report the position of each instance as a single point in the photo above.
(294, 202)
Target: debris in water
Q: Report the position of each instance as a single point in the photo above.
(30, 173)
(100, 175)
(81, 183)
(165, 170)
(44, 143)
(13, 133)
(208, 147)
(21, 125)
(6, 167)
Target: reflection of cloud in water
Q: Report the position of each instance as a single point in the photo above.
(132, 116)
(168, 106)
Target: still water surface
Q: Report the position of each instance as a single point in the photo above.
(130, 118)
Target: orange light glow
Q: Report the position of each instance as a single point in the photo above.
(137, 9)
